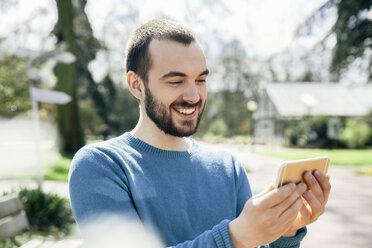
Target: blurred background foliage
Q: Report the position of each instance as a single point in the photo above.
(49, 215)
(103, 107)
(311, 131)
(352, 31)
(14, 92)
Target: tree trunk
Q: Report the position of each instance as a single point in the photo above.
(70, 132)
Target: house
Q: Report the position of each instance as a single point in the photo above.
(284, 101)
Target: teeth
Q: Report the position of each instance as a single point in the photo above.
(186, 111)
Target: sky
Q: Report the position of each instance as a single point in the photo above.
(264, 27)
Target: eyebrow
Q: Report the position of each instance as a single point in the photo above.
(181, 74)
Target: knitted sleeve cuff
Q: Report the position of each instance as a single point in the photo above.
(221, 235)
(222, 238)
(284, 242)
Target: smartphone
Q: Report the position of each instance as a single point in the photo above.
(292, 171)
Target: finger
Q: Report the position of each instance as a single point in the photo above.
(305, 210)
(317, 208)
(290, 214)
(314, 186)
(284, 205)
(278, 195)
(324, 184)
(265, 191)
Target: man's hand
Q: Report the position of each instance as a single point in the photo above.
(267, 216)
(315, 199)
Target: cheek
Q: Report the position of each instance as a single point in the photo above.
(203, 93)
(164, 96)
(170, 101)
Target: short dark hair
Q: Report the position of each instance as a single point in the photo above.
(138, 58)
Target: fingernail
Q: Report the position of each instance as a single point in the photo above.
(308, 175)
(306, 193)
(317, 173)
(302, 186)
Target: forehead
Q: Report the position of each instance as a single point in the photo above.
(169, 55)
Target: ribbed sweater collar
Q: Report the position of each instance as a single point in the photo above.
(141, 146)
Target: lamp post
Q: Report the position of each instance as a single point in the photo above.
(49, 96)
(51, 58)
(252, 107)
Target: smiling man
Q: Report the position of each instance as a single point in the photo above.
(158, 177)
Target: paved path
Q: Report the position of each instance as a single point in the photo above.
(347, 222)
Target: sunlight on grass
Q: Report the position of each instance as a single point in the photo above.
(365, 171)
(338, 156)
(57, 167)
(236, 139)
(91, 141)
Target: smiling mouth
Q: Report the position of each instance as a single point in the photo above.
(185, 111)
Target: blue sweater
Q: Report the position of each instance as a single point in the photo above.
(187, 197)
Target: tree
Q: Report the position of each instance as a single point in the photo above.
(228, 106)
(123, 110)
(232, 109)
(235, 69)
(93, 95)
(352, 29)
(14, 86)
(68, 121)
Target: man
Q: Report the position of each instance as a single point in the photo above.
(155, 175)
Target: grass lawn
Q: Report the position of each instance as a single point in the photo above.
(337, 156)
(57, 167)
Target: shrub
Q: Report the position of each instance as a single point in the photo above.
(47, 213)
(218, 127)
(356, 133)
(368, 120)
(310, 131)
(298, 132)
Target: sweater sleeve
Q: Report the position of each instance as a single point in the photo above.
(96, 192)
(292, 242)
(219, 236)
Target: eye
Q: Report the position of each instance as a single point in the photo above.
(175, 82)
(201, 80)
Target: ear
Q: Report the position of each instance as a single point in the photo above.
(135, 85)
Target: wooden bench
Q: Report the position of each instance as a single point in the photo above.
(13, 221)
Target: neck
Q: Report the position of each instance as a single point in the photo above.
(148, 132)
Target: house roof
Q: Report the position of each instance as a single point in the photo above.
(298, 99)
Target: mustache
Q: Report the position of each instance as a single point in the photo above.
(186, 104)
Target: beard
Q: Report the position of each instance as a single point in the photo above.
(162, 116)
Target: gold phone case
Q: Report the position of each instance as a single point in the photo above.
(292, 171)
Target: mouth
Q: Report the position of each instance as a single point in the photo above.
(185, 112)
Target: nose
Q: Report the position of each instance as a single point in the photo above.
(192, 94)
